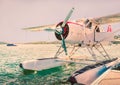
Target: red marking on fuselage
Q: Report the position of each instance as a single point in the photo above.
(109, 28)
(65, 29)
(74, 23)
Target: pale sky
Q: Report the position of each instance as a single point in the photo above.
(18, 14)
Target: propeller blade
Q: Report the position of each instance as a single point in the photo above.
(64, 45)
(67, 17)
(49, 30)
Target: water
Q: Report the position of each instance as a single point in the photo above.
(12, 74)
(12, 56)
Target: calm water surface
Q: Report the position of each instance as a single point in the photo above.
(12, 74)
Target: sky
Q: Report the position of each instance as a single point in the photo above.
(18, 14)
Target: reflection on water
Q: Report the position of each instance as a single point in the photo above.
(12, 74)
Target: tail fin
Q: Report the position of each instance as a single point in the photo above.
(109, 28)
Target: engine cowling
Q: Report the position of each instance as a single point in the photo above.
(65, 31)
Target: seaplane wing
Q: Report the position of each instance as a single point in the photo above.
(101, 20)
(52, 26)
(107, 19)
(41, 28)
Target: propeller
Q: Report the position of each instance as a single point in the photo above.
(60, 30)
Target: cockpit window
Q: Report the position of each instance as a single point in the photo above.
(97, 29)
(88, 23)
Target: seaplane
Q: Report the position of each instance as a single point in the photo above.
(78, 33)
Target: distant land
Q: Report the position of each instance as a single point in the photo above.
(3, 43)
(116, 40)
(44, 42)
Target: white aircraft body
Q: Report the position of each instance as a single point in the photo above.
(81, 32)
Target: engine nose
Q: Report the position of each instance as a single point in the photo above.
(64, 30)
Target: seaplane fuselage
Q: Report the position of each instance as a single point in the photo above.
(78, 32)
